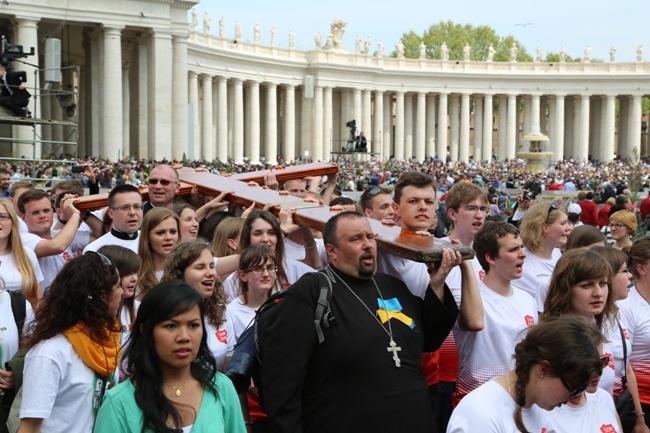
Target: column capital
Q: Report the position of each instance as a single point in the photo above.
(192, 73)
(112, 30)
(269, 85)
(27, 21)
(400, 92)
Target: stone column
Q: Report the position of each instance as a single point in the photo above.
(408, 126)
(513, 127)
(289, 123)
(95, 69)
(441, 145)
(356, 104)
(112, 115)
(608, 128)
(624, 102)
(387, 137)
(238, 124)
(399, 124)
(27, 36)
(595, 113)
(196, 124)
(328, 124)
(378, 133)
(143, 100)
(254, 139)
(430, 146)
(126, 109)
(534, 114)
(543, 119)
(222, 119)
(464, 128)
(179, 97)
(557, 143)
(582, 151)
(634, 131)
(420, 127)
(316, 150)
(454, 126)
(569, 126)
(478, 128)
(160, 77)
(503, 127)
(271, 117)
(207, 142)
(366, 125)
(488, 125)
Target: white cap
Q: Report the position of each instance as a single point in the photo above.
(574, 208)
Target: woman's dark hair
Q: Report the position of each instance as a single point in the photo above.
(161, 303)
(208, 225)
(584, 236)
(567, 345)
(279, 245)
(77, 294)
(639, 254)
(179, 259)
(251, 257)
(127, 262)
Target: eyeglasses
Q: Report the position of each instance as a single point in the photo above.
(574, 392)
(473, 209)
(258, 270)
(38, 212)
(554, 206)
(4, 216)
(163, 182)
(105, 260)
(128, 207)
(616, 226)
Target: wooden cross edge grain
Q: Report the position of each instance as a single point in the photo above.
(394, 240)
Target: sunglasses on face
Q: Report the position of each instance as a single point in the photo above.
(163, 182)
(574, 392)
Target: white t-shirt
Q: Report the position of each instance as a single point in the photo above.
(8, 328)
(127, 323)
(487, 354)
(296, 251)
(240, 315)
(635, 313)
(490, 409)
(109, 239)
(221, 341)
(51, 265)
(596, 415)
(414, 274)
(59, 388)
(536, 275)
(292, 268)
(13, 279)
(614, 348)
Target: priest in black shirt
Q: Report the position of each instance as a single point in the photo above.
(366, 375)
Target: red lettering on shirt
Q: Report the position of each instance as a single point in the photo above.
(611, 360)
(222, 335)
(543, 430)
(66, 256)
(625, 334)
(530, 321)
(481, 274)
(286, 286)
(607, 428)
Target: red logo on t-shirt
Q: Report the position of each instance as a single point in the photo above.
(611, 360)
(607, 428)
(286, 286)
(625, 334)
(222, 335)
(66, 256)
(543, 430)
(481, 274)
(530, 321)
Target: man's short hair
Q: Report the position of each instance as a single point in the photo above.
(162, 165)
(329, 232)
(18, 185)
(29, 196)
(288, 182)
(69, 186)
(4, 171)
(369, 194)
(121, 189)
(462, 193)
(412, 178)
(486, 240)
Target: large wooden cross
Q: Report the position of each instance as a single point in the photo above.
(247, 189)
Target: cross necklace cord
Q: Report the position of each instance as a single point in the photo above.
(392, 346)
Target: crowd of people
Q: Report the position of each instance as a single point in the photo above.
(541, 331)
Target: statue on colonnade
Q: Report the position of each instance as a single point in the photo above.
(222, 25)
(195, 20)
(467, 51)
(513, 52)
(206, 23)
(639, 53)
(612, 55)
(444, 52)
(491, 52)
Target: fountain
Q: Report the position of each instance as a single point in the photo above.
(536, 157)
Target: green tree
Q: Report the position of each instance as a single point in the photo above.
(456, 36)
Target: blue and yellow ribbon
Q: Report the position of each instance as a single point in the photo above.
(392, 309)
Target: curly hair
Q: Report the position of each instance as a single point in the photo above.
(163, 302)
(575, 363)
(531, 225)
(574, 267)
(251, 257)
(245, 240)
(179, 259)
(152, 219)
(29, 284)
(77, 294)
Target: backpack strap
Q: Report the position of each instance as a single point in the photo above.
(324, 315)
(18, 308)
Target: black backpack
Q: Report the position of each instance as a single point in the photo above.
(18, 308)
(247, 359)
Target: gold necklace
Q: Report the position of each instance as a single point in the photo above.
(177, 389)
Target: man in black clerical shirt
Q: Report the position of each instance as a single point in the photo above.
(366, 375)
(360, 143)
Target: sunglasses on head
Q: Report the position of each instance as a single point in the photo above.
(554, 206)
(574, 392)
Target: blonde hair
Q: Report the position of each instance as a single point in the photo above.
(625, 217)
(230, 228)
(29, 285)
(530, 229)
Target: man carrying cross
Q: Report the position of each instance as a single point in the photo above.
(366, 375)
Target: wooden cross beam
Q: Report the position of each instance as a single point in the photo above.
(394, 240)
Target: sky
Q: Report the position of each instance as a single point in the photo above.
(571, 24)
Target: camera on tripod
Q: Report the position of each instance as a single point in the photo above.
(11, 52)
